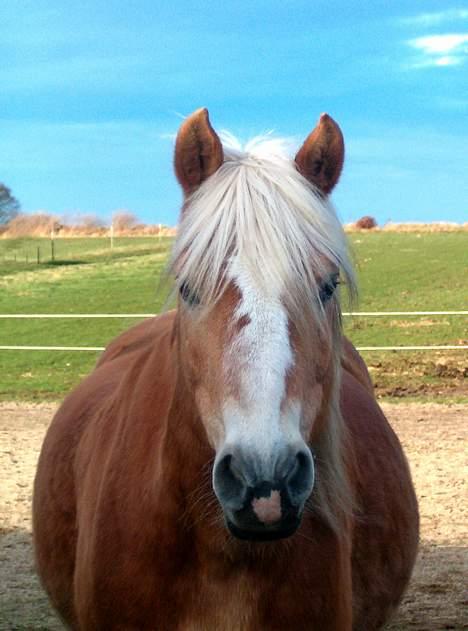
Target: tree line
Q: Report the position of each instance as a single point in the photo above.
(9, 205)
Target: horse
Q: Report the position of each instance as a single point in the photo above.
(226, 465)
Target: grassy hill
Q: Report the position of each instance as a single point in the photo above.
(396, 272)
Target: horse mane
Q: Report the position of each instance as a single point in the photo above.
(258, 208)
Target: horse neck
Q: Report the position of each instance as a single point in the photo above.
(185, 440)
(333, 496)
(183, 462)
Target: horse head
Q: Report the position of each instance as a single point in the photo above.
(257, 261)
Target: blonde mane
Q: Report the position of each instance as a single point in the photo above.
(258, 208)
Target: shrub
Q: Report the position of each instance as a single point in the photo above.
(38, 224)
(366, 223)
(124, 221)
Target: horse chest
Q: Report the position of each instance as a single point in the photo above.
(217, 605)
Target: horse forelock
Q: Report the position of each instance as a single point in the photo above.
(257, 209)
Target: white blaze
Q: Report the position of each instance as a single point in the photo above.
(261, 355)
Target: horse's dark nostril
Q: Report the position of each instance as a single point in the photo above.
(228, 482)
(225, 463)
(235, 479)
(300, 478)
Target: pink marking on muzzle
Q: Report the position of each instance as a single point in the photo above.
(268, 509)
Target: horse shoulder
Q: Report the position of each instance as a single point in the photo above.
(386, 523)
(75, 467)
(352, 362)
(125, 516)
(138, 337)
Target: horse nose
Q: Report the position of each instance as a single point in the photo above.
(230, 481)
(288, 479)
(300, 476)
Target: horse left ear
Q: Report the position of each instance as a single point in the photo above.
(320, 159)
(198, 151)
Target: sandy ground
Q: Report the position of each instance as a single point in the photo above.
(435, 438)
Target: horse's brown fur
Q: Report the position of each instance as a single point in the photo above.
(199, 152)
(127, 534)
(320, 159)
(128, 531)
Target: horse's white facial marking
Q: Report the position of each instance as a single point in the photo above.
(263, 344)
(257, 417)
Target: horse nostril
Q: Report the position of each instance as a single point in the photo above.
(301, 476)
(225, 463)
(228, 481)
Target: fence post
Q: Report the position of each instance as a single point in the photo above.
(52, 246)
(38, 255)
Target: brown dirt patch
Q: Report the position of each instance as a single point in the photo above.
(435, 439)
(428, 378)
(434, 436)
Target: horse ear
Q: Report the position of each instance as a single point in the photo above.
(320, 159)
(198, 151)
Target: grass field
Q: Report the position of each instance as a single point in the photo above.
(396, 272)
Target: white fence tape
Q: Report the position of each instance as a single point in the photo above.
(451, 347)
(151, 315)
(52, 348)
(405, 313)
(32, 316)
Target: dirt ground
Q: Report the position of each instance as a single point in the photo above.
(435, 438)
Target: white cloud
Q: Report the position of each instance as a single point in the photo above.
(440, 44)
(449, 49)
(432, 19)
(448, 60)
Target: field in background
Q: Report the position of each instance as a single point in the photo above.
(396, 271)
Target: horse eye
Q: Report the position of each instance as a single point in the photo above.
(327, 289)
(188, 296)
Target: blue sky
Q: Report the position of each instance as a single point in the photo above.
(92, 92)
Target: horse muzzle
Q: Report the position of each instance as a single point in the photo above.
(263, 503)
(268, 514)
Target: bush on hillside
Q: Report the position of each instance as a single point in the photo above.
(124, 221)
(38, 224)
(88, 224)
(366, 223)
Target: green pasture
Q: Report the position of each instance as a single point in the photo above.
(396, 272)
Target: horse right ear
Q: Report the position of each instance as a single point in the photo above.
(198, 151)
